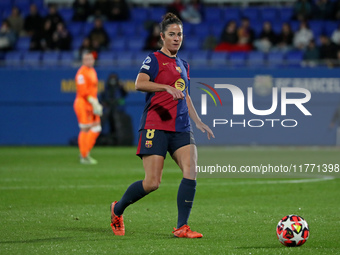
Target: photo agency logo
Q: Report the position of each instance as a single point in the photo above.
(243, 103)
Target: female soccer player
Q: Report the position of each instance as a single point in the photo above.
(165, 126)
(87, 108)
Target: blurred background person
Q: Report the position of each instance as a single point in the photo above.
(337, 60)
(245, 33)
(61, 38)
(16, 21)
(229, 33)
(7, 37)
(100, 10)
(87, 108)
(285, 38)
(98, 35)
(328, 51)
(311, 55)
(176, 7)
(323, 10)
(53, 16)
(192, 12)
(153, 41)
(303, 36)
(228, 37)
(302, 10)
(230, 40)
(81, 10)
(33, 22)
(336, 10)
(267, 38)
(335, 37)
(113, 100)
(86, 46)
(43, 40)
(118, 10)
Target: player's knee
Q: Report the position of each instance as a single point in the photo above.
(96, 129)
(151, 186)
(85, 129)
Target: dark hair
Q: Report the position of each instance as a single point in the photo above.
(169, 19)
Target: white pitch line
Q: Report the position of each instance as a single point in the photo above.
(63, 187)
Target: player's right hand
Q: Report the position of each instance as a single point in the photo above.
(176, 93)
(97, 107)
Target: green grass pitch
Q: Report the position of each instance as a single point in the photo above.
(50, 204)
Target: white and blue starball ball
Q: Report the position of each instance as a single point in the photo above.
(292, 230)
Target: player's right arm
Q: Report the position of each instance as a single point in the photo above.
(147, 75)
(144, 84)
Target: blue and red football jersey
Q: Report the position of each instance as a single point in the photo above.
(161, 112)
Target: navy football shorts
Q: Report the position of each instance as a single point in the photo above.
(159, 142)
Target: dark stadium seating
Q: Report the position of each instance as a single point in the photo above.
(75, 29)
(256, 58)
(139, 14)
(192, 43)
(50, 58)
(218, 59)
(135, 44)
(275, 59)
(185, 54)
(140, 57)
(127, 38)
(199, 58)
(76, 42)
(23, 44)
(269, 14)
(251, 13)
(66, 14)
(294, 58)
(112, 28)
(31, 58)
(201, 30)
(106, 58)
(285, 14)
(125, 58)
(156, 13)
(231, 14)
(237, 59)
(118, 44)
(330, 26)
(66, 58)
(213, 15)
(216, 30)
(13, 58)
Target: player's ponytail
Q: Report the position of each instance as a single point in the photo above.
(169, 19)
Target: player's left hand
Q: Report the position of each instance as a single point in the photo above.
(203, 127)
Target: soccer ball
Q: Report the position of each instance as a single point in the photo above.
(292, 230)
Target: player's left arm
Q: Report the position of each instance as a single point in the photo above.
(194, 116)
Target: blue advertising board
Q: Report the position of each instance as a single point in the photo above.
(36, 105)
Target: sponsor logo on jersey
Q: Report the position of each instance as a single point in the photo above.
(80, 79)
(147, 60)
(178, 69)
(148, 144)
(146, 67)
(180, 84)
